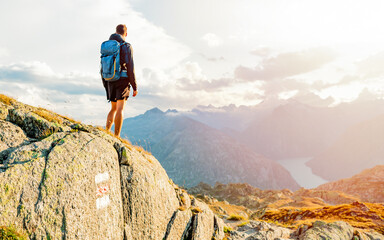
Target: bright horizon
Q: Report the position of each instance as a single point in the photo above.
(193, 53)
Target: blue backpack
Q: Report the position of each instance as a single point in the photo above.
(110, 60)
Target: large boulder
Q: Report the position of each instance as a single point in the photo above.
(11, 135)
(52, 188)
(260, 230)
(149, 200)
(336, 231)
(60, 179)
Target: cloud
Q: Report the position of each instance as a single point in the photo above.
(4, 52)
(212, 59)
(88, 108)
(186, 84)
(189, 77)
(262, 51)
(371, 66)
(212, 40)
(40, 75)
(288, 94)
(310, 98)
(286, 65)
(67, 35)
(250, 95)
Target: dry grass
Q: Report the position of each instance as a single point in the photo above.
(235, 217)
(42, 112)
(140, 149)
(52, 117)
(7, 100)
(182, 208)
(69, 119)
(127, 143)
(227, 229)
(371, 217)
(228, 208)
(46, 133)
(47, 115)
(183, 200)
(196, 210)
(243, 223)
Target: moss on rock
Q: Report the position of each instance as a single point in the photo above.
(10, 233)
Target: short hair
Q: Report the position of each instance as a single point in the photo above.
(121, 29)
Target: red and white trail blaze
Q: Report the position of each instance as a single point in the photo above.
(102, 190)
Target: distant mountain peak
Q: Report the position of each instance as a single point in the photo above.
(171, 111)
(154, 110)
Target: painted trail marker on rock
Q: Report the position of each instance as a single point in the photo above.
(102, 190)
(102, 202)
(101, 177)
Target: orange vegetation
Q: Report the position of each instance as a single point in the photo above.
(359, 215)
(47, 115)
(6, 100)
(222, 208)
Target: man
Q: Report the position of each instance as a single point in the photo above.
(118, 91)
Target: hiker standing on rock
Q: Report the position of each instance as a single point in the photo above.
(118, 75)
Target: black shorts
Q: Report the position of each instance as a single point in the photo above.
(115, 89)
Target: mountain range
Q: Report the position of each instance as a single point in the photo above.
(206, 137)
(291, 129)
(191, 152)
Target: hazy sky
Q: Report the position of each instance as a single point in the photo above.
(188, 53)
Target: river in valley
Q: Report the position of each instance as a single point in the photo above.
(301, 172)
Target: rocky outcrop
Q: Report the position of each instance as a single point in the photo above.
(60, 179)
(319, 230)
(11, 135)
(334, 231)
(260, 230)
(51, 188)
(288, 208)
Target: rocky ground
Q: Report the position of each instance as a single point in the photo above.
(291, 214)
(338, 230)
(60, 179)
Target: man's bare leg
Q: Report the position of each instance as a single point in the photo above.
(111, 116)
(119, 116)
